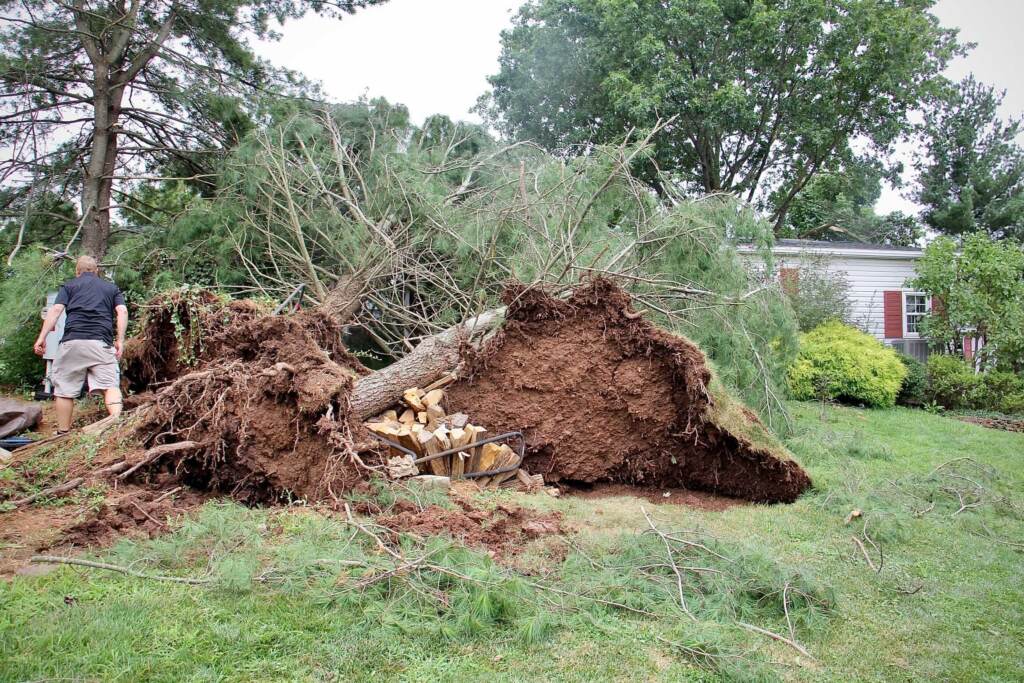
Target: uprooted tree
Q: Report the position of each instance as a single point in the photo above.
(402, 233)
(274, 408)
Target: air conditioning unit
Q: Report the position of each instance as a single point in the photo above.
(915, 348)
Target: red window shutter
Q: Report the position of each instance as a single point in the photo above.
(892, 313)
(938, 307)
(789, 278)
(968, 348)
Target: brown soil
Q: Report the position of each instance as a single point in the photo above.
(98, 513)
(503, 530)
(702, 500)
(602, 395)
(1005, 424)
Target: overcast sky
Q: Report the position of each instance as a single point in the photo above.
(434, 55)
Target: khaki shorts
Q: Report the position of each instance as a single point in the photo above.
(79, 359)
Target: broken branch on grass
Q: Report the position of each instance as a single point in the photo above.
(782, 639)
(70, 485)
(672, 561)
(864, 552)
(53, 559)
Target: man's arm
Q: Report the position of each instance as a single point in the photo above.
(122, 328)
(49, 323)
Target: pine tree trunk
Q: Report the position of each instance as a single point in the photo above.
(97, 186)
(432, 358)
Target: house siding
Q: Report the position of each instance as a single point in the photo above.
(868, 277)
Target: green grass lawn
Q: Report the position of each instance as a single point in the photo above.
(294, 595)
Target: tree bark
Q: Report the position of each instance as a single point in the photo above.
(433, 357)
(96, 185)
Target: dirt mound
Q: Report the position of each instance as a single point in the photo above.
(503, 530)
(603, 395)
(267, 408)
(1004, 423)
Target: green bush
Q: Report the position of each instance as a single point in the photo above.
(952, 382)
(842, 363)
(914, 390)
(999, 390)
(19, 365)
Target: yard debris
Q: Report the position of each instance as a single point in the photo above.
(261, 408)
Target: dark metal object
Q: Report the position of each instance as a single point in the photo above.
(295, 297)
(520, 451)
(12, 442)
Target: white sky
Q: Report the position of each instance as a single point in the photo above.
(434, 55)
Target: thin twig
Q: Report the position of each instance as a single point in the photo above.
(775, 636)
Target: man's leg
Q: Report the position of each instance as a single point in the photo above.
(112, 397)
(67, 374)
(65, 407)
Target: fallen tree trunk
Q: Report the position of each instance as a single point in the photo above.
(433, 357)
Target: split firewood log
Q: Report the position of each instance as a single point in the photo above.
(431, 446)
(433, 398)
(412, 399)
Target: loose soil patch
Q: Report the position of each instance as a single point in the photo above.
(503, 531)
(702, 500)
(1003, 423)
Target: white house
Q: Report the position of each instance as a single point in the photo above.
(881, 302)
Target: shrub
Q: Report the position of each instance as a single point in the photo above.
(1000, 391)
(914, 390)
(818, 294)
(842, 363)
(19, 365)
(952, 382)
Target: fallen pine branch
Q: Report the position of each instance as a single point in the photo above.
(672, 561)
(53, 559)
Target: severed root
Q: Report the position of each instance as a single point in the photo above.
(155, 452)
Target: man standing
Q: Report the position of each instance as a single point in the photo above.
(88, 349)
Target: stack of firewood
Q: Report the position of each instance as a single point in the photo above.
(423, 426)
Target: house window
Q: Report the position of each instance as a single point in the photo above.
(915, 307)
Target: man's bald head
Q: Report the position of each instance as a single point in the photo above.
(85, 264)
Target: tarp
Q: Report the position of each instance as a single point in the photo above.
(17, 416)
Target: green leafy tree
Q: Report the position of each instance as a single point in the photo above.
(839, 206)
(972, 177)
(95, 92)
(981, 289)
(763, 95)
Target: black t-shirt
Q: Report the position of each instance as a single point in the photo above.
(89, 302)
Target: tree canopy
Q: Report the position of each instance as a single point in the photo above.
(764, 94)
(95, 93)
(980, 285)
(972, 174)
